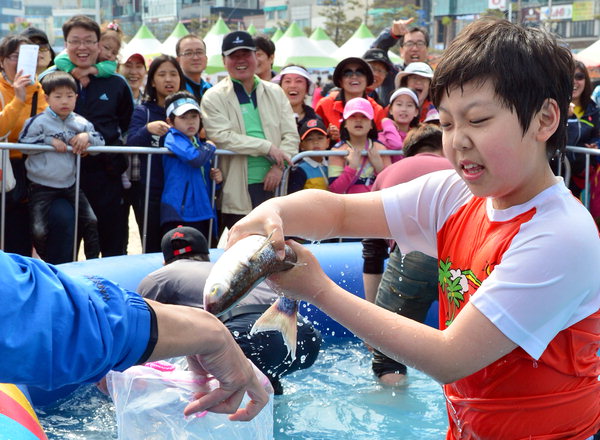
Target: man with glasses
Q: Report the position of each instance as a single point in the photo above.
(414, 47)
(191, 56)
(108, 104)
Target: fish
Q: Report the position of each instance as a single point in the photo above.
(241, 268)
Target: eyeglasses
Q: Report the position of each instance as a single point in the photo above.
(44, 48)
(350, 73)
(411, 44)
(579, 76)
(192, 54)
(77, 43)
(13, 56)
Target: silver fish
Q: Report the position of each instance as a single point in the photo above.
(241, 268)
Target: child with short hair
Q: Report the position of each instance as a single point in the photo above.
(186, 197)
(52, 173)
(403, 114)
(356, 173)
(111, 39)
(519, 286)
(311, 172)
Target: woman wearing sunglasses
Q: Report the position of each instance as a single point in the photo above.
(352, 76)
(583, 126)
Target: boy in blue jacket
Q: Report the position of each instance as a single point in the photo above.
(186, 198)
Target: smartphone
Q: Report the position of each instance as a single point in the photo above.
(28, 57)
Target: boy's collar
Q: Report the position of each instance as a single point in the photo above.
(53, 114)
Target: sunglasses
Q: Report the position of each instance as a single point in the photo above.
(579, 76)
(350, 73)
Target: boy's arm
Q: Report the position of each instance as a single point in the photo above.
(95, 138)
(33, 133)
(64, 63)
(186, 152)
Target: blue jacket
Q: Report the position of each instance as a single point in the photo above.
(197, 89)
(581, 131)
(187, 191)
(139, 136)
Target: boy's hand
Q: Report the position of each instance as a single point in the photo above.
(400, 27)
(279, 156)
(272, 178)
(20, 83)
(216, 174)
(59, 145)
(80, 142)
(158, 128)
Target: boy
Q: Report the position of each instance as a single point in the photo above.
(52, 173)
(518, 254)
(311, 172)
(186, 197)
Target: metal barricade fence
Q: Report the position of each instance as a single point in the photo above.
(149, 151)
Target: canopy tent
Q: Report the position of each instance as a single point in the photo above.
(168, 46)
(358, 44)
(213, 41)
(323, 41)
(252, 30)
(294, 47)
(277, 35)
(590, 56)
(144, 42)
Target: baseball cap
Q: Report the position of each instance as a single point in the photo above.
(417, 68)
(33, 33)
(358, 105)
(341, 66)
(378, 55)
(192, 239)
(237, 40)
(312, 125)
(405, 91)
(182, 105)
(136, 57)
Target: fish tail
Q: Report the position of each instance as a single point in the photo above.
(280, 318)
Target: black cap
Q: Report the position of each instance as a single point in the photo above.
(183, 240)
(380, 56)
(312, 125)
(237, 40)
(339, 70)
(35, 33)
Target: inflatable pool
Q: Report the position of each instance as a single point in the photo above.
(18, 420)
(341, 261)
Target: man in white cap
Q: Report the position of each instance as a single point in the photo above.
(253, 118)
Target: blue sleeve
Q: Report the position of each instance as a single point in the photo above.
(186, 152)
(138, 135)
(385, 40)
(58, 330)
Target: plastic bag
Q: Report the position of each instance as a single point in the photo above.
(149, 401)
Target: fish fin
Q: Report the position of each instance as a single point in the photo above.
(276, 319)
(266, 243)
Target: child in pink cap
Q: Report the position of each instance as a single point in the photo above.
(356, 173)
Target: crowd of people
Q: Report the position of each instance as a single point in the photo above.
(78, 100)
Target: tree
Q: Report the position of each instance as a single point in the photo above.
(201, 27)
(337, 25)
(383, 12)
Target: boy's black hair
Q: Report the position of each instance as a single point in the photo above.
(180, 95)
(526, 65)
(372, 134)
(150, 90)
(57, 79)
(82, 21)
(265, 44)
(424, 138)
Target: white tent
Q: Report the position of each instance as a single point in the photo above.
(168, 46)
(358, 44)
(144, 42)
(294, 47)
(323, 41)
(590, 56)
(213, 41)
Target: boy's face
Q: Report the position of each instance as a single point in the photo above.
(62, 101)
(314, 141)
(188, 123)
(485, 143)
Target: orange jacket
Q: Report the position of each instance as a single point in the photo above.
(14, 112)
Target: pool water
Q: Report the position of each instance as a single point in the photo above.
(337, 398)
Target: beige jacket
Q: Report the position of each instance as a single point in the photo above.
(224, 124)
